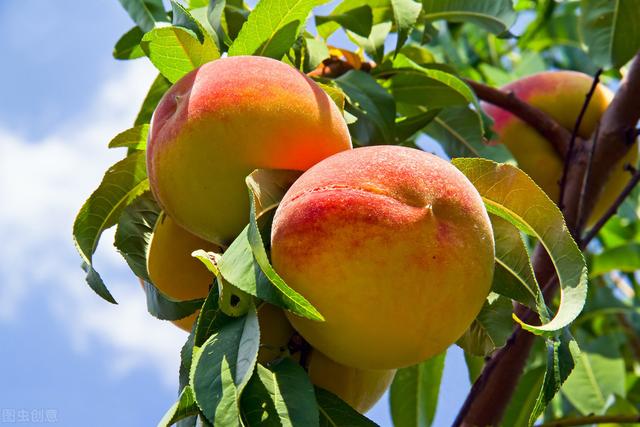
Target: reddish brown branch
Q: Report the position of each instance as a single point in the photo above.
(574, 135)
(539, 120)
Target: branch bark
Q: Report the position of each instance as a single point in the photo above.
(491, 393)
(539, 120)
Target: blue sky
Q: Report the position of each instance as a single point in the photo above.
(64, 350)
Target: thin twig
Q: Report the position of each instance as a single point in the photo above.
(612, 210)
(582, 218)
(574, 134)
(539, 120)
(593, 419)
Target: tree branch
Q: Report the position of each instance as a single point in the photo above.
(492, 391)
(593, 419)
(574, 134)
(539, 120)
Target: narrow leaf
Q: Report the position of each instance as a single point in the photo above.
(359, 20)
(495, 16)
(128, 46)
(134, 138)
(159, 86)
(183, 408)
(405, 13)
(623, 258)
(145, 13)
(272, 27)
(372, 104)
(175, 51)
(414, 393)
(166, 308)
(121, 184)
(491, 327)
(295, 302)
(222, 368)
(335, 412)
(511, 194)
(611, 30)
(280, 396)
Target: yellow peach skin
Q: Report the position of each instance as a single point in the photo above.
(225, 119)
(560, 94)
(393, 246)
(360, 388)
(172, 268)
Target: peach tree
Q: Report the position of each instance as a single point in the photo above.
(294, 261)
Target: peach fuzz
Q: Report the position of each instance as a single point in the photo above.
(173, 270)
(393, 246)
(560, 94)
(225, 119)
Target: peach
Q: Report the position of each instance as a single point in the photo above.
(225, 119)
(172, 268)
(360, 388)
(560, 94)
(393, 246)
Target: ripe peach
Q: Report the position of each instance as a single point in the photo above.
(393, 246)
(172, 268)
(560, 94)
(360, 388)
(222, 121)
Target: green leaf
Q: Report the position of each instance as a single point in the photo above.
(514, 277)
(293, 301)
(222, 367)
(374, 44)
(239, 267)
(431, 88)
(598, 376)
(280, 396)
(193, 4)
(336, 94)
(210, 319)
(459, 131)
(374, 107)
(358, 20)
(405, 13)
(175, 51)
(128, 46)
(524, 398)
(490, 329)
(183, 408)
(145, 13)
(269, 187)
(495, 16)
(272, 27)
(624, 258)
(511, 194)
(183, 18)
(414, 393)
(562, 351)
(611, 30)
(163, 307)
(475, 365)
(134, 138)
(335, 412)
(134, 232)
(122, 183)
(159, 86)
(408, 126)
(380, 10)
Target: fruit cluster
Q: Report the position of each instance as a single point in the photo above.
(392, 245)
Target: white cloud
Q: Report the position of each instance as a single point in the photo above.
(43, 183)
